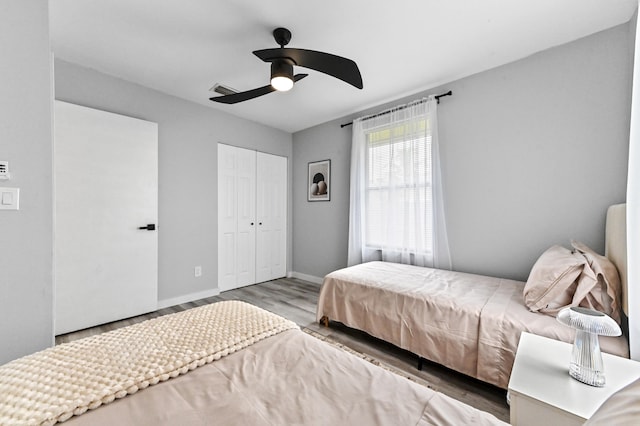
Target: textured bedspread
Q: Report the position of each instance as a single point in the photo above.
(66, 380)
(469, 323)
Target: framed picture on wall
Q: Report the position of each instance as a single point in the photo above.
(319, 182)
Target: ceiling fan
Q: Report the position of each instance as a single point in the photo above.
(283, 60)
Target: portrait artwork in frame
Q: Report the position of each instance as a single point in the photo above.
(319, 183)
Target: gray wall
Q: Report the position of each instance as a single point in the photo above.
(26, 296)
(320, 228)
(188, 134)
(533, 152)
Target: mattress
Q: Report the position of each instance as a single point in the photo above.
(469, 323)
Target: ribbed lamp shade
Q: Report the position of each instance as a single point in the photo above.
(586, 359)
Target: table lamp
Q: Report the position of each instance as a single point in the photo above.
(586, 359)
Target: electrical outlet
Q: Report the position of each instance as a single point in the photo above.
(197, 271)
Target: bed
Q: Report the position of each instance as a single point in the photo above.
(469, 323)
(621, 408)
(224, 363)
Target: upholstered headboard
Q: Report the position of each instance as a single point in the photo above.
(616, 245)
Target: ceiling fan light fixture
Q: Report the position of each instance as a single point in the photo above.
(282, 84)
(282, 75)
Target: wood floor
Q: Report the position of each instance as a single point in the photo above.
(296, 300)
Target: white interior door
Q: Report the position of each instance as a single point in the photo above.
(236, 217)
(271, 239)
(106, 187)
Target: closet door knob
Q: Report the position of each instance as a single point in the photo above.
(149, 227)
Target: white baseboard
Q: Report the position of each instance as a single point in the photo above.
(310, 278)
(187, 298)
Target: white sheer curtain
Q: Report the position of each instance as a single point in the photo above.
(396, 208)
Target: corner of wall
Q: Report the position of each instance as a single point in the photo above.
(633, 202)
(301, 276)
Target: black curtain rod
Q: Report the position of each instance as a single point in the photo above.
(449, 93)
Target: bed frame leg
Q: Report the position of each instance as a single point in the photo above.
(420, 362)
(324, 321)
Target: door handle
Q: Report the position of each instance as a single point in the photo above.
(149, 227)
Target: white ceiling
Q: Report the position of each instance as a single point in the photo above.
(184, 47)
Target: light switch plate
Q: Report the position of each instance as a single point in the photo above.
(9, 198)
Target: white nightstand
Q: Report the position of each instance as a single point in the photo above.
(543, 393)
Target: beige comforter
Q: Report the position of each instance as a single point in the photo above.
(288, 379)
(469, 323)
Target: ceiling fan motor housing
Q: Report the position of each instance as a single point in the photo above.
(282, 68)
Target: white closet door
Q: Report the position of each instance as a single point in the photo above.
(236, 217)
(271, 238)
(246, 249)
(106, 186)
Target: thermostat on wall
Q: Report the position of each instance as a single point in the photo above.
(4, 170)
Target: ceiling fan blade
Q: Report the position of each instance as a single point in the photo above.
(336, 66)
(243, 96)
(250, 94)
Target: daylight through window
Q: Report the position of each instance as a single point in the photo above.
(398, 199)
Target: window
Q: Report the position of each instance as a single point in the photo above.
(398, 200)
(394, 213)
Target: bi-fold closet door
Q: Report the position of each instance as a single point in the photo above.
(252, 223)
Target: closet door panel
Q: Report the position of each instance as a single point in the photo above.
(236, 217)
(227, 207)
(245, 253)
(271, 216)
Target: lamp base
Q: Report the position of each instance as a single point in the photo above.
(586, 363)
